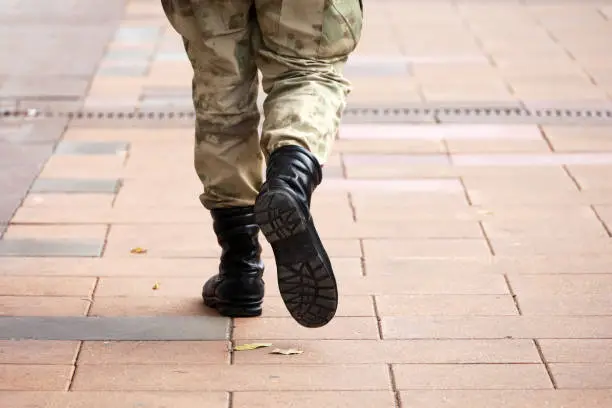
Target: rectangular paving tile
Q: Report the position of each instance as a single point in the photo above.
(532, 159)
(551, 245)
(405, 186)
(104, 399)
(75, 186)
(395, 351)
(550, 285)
(38, 352)
(449, 266)
(579, 139)
(471, 376)
(81, 233)
(231, 378)
(46, 286)
(137, 35)
(131, 54)
(17, 377)
(333, 228)
(56, 247)
(446, 305)
(351, 159)
(119, 70)
(106, 267)
(43, 306)
(48, 86)
(497, 146)
(577, 350)
(581, 376)
(426, 248)
(440, 283)
(114, 328)
(287, 329)
(587, 304)
(592, 178)
(557, 264)
(308, 399)
(497, 327)
(507, 398)
(179, 102)
(165, 91)
(78, 147)
(155, 352)
(172, 56)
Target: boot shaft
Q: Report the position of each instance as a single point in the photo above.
(238, 236)
(295, 168)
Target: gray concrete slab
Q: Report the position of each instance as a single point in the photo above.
(76, 186)
(78, 147)
(115, 328)
(28, 247)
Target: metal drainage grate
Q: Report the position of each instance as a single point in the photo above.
(415, 114)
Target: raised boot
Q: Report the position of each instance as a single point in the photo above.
(238, 289)
(282, 211)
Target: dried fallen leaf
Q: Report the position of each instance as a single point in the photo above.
(286, 352)
(138, 250)
(156, 286)
(246, 347)
(485, 212)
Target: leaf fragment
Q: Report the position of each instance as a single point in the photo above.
(252, 346)
(156, 286)
(286, 352)
(485, 212)
(138, 250)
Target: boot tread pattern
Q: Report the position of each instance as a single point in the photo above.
(306, 283)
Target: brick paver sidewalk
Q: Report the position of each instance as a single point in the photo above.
(474, 260)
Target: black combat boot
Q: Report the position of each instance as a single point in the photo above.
(238, 289)
(282, 211)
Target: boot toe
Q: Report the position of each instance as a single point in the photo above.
(209, 291)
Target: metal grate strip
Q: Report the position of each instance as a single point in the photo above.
(439, 114)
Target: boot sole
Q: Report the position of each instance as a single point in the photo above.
(233, 309)
(305, 277)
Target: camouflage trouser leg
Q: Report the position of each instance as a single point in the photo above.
(303, 47)
(300, 48)
(217, 37)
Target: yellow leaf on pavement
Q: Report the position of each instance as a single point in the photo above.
(246, 347)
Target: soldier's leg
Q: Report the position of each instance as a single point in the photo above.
(228, 159)
(217, 38)
(302, 49)
(301, 52)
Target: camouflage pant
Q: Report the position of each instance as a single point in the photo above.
(300, 47)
